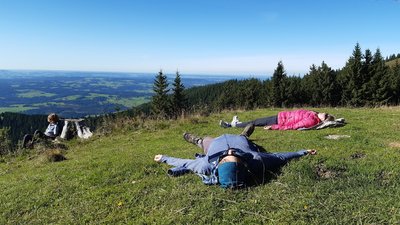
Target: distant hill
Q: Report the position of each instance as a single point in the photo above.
(77, 94)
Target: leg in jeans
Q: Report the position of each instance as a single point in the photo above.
(205, 144)
(260, 122)
(273, 161)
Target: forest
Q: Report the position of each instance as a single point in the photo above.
(367, 80)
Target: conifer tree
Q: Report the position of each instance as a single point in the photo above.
(328, 85)
(160, 100)
(250, 95)
(313, 86)
(352, 73)
(179, 99)
(380, 81)
(366, 92)
(278, 85)
(395, 76)
(294, 93)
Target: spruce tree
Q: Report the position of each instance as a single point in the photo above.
(179, 100)
(160, 100)
(395, 76)
(367, 73)
(294, 93)
(380, 81)
(352, 71)
(313, 86)
(328, 85)
(249, 95)
(278, 86)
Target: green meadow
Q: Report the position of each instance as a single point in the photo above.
(16, 108)
(112, 178)
(113, 99)
(33, 94)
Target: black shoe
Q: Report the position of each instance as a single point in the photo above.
(192, 138)
(248, 130)
(27, 141)
(224, 124)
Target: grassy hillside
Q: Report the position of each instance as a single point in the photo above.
(393, 62)
(113, 179)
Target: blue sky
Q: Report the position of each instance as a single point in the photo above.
(193, 36)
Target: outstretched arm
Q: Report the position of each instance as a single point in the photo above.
(276, 160)
(199, 165)
(311, 152)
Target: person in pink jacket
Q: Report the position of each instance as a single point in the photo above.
(285, 120)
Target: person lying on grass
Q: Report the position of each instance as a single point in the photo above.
(285, 120)
(231, 161)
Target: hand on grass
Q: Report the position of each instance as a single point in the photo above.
(267, 127)
(311, 152)
(157, 158)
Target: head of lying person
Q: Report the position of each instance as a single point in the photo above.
(232, 170)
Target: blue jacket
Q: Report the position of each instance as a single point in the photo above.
(205, 165)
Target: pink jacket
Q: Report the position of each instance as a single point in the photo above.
(293, 120)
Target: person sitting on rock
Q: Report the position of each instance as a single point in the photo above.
(54, 129)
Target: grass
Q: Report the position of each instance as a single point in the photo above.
(113, 179)
(393, 62)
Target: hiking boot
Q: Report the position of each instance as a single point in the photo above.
(224, 124)
(27, 141)
(191, 138)
(248, 130)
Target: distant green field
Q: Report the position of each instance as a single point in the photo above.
(127, 102)
(92, 96)
(49, 104)
(70, 98)
(16, 108)
(33, 93)
(113, 179)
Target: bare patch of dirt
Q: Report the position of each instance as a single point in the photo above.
(394, 144)
(336, 136)
(357, 155)
(384, 177)
(326, 173)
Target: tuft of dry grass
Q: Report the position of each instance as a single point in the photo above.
(54, 155)
(394, 144)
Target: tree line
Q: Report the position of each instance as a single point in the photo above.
(365, 80)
